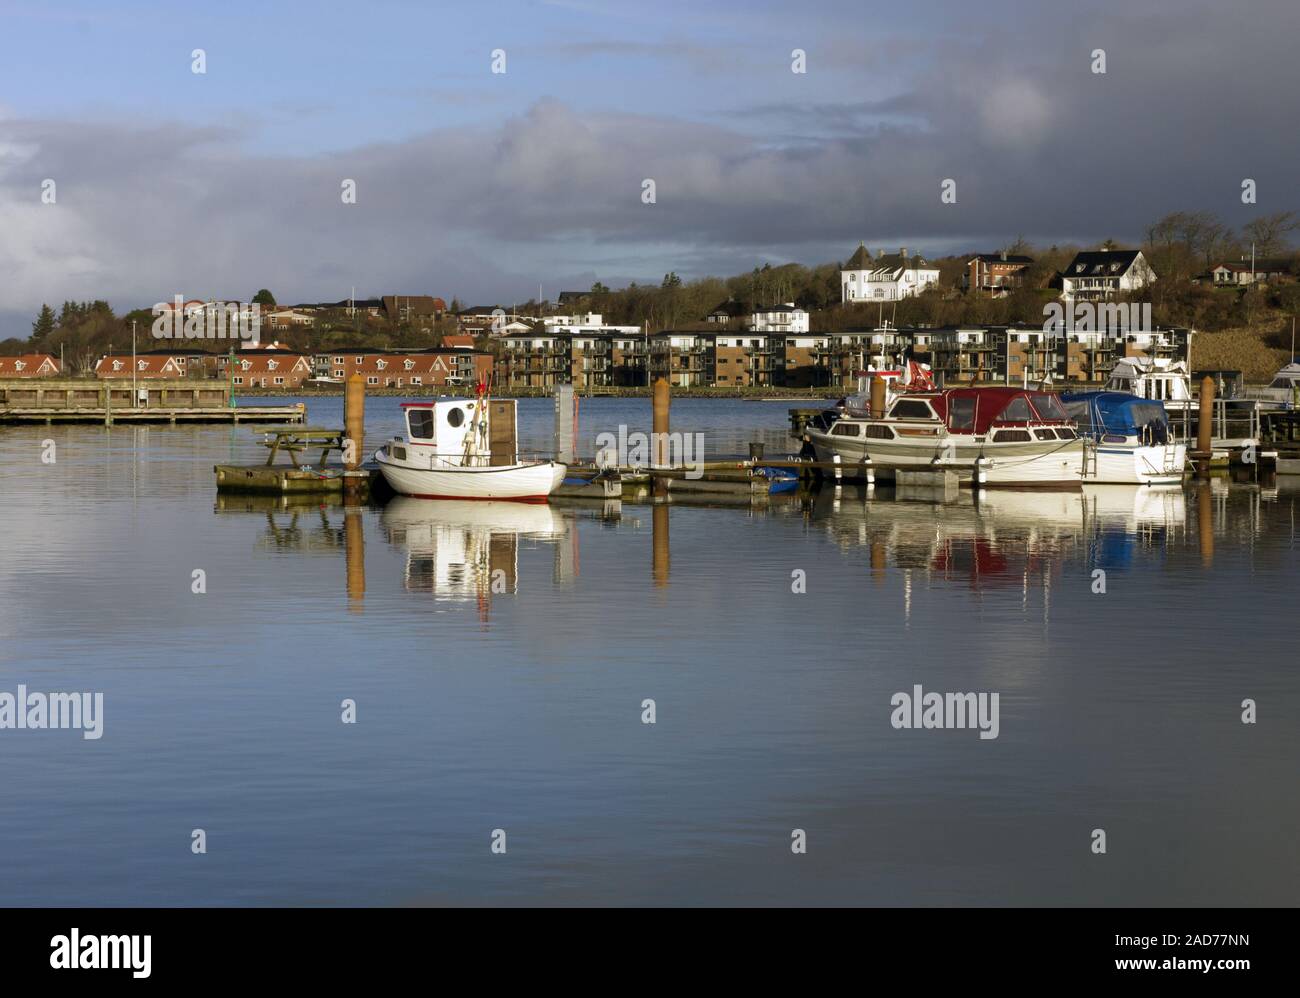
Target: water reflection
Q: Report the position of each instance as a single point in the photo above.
(462, 551)
(469, 551)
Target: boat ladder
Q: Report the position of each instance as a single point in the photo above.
(1089, 458)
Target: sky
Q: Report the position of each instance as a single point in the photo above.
(486, 186)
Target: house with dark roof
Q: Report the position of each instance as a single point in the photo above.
(995, 274)
(886, 277)
(419, 310)
(728, 311)
(1097, 275)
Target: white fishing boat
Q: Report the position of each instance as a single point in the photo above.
(464, 449)
(1006, 436)
(1131, 441)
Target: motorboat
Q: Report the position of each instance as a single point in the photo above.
(991, 435)
(1131, 440)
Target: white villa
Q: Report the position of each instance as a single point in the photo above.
(1099, 274)
(787, 318)
(888, 277)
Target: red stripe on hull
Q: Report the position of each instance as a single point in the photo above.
(422, 495)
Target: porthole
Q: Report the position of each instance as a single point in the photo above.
(455, 416)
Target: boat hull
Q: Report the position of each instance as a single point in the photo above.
(1135, 465)
(1036, 464)
(516, 482)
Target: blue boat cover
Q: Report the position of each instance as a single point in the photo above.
(1099, 413)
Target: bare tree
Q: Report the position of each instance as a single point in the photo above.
(1269, 232)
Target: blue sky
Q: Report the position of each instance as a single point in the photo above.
(484, 185)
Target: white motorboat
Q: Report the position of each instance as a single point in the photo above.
(1131, 441)
(1006, 436)
(1284, 388)
(465, 449)
(1236, 422)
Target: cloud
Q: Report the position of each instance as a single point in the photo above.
(1038, 146)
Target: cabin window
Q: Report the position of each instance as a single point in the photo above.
(420, 422)
(399, 453)
(846, 430)
(1011, 436)
(961, 414)
(1044, 434)
(1017, 411)
(911, 409)
(1065, 433)
(455, 416)
(879, 431)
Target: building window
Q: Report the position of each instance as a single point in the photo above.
(238, 381)
(372, 380)
(279, 381)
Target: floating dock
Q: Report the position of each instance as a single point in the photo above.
(155, 400)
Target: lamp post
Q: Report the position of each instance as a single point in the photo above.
(135, 395)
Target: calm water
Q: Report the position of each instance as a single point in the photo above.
(521, 709)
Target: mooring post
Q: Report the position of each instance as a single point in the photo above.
(659, 456)
(877, 397)
(354, 429)
(1205, 427)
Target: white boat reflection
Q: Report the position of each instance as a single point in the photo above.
(1003, 536)
(1131, 507)
(465, 550)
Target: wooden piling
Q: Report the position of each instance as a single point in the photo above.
(354, 426)
(660, 403)
(1205, 427)
(877, 397)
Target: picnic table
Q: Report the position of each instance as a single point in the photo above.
(293, 440)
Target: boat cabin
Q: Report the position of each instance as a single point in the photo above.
(478, 431)
(1286, 380)
(1159, 379)
(1116, 417)
(1008, 415)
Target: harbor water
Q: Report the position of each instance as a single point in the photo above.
(503, 662)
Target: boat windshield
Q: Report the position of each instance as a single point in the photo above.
(1283, 383)
(961, 414)
(1049, 407)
